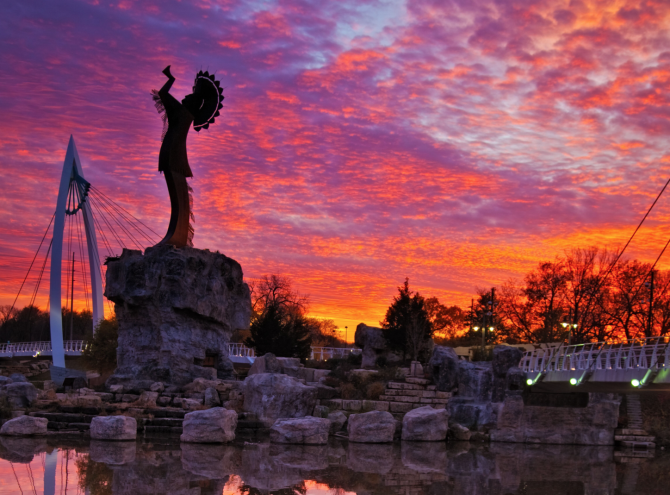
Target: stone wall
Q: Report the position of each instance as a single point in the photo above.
(176, 309)
(590, 425)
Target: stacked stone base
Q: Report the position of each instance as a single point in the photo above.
(399, 398)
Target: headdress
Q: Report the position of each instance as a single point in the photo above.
(211, 92)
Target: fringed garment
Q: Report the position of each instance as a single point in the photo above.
(173, 162)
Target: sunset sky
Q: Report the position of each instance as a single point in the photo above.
(456, 143)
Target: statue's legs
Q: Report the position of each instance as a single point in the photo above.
(180, 232)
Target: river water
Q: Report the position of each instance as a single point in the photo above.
(162, 465)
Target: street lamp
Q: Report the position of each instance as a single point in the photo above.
(570, 326)
(346, 336)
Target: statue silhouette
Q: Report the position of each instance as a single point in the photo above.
(200, 109)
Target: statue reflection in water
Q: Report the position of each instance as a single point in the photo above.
(199, 108)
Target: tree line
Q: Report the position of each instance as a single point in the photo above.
(31, 324)
(583, 295)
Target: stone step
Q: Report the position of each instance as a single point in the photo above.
(629, 431)
(171, 430)
(59, 426)
(638, 445)
(404, 386)
(166, 412)
(417, 381)
(389, 392)
(164, 422)
(635, 438)
(64, 417)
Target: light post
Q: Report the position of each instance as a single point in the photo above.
(346, 336)
(570, 326)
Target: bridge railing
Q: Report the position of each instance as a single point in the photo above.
(650, 353)
(71, 347)
(325, 353)
(317, 354)
(240, 350)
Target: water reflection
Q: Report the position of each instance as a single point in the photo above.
(109, 468)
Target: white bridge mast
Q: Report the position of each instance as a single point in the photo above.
(71, 169)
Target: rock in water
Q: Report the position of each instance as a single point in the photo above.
(459, 432)
(271, 396)
(371, 427)
(176, 309)
(337, 421)
(308, 430)
(24, 426)
(425, 424)
(113, 428)
(215, 425)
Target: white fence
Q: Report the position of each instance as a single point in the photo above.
(318, 353)
(643, 354)
(25, 349)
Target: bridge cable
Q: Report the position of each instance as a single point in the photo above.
(32, 262)
(127, 217)
(613, 264)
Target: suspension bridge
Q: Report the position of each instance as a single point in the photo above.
(83, 215)
(617, 366)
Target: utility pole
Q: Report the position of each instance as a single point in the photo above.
(650, 319)
(72, 299)
(472, 312)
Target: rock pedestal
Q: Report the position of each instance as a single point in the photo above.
(176, 309)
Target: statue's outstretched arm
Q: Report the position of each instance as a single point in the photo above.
(168, 84)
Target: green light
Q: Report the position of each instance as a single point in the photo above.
(635, 382)
(529, 382)
(573, 381)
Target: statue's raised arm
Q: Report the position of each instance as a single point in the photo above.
(200, 109)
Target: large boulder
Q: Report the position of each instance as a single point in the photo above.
(425, 424)
(475, 380)
(308, 430)
(471, 414)
(113, 428)
(176, 310)
(443, 365)
(266, 363)
(504, 358)
(215, 425)
(271, 396)
(19, 394)
(371, 427)
(25, 426)
(374, 345)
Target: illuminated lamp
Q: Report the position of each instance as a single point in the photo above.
(573, 381)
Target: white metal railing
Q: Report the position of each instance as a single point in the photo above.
(318, 353)
(325, 353)
(641, 354)
(43, 347)
(240, 350)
